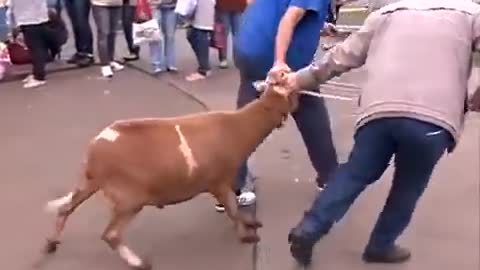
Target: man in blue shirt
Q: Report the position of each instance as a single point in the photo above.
(279, 35)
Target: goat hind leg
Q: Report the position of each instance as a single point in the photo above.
(64, 207)
(113, 237)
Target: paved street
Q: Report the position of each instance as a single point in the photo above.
(44, 133)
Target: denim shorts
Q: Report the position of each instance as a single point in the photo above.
(4, 29)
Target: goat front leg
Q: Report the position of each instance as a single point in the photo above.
(113, 237)
(246, 227)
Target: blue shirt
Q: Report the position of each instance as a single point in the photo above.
(259, 25)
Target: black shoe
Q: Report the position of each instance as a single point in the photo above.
(394, 255)
(321, 186)
(301, 247)
(131, 57)
(73, 60)
(85, 61)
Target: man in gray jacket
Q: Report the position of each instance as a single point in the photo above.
(418, 55)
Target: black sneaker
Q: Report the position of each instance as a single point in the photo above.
(73, 60)
(321, 186)
(85, 61)
(394, 255)
(301, 247)
(131, 57)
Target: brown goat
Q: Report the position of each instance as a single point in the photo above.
(165, 161)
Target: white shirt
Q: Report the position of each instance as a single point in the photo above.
(29, 12)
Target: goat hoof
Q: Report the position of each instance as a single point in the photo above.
(248, 239)
(51, 246)
(254, 224)
(146, 265)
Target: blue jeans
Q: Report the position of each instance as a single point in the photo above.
(311, 118)
(231, 22)
(417, 147)
(79, 13)
(4, 30)
(164, 55)
(55, 4)
(200, 42)
(106, 18)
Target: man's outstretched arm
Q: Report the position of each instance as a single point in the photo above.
(343, 57)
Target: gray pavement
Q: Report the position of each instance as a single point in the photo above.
(43, 143)
(43, 137)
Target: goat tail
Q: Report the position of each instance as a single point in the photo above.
(68, 203)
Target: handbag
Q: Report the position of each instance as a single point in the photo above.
(143, 12)
(146, 32)
(186, 8)
(218, 39)
(18, 52)
(145, 28)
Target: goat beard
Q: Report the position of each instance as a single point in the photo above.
(284, 120)
(293, 103)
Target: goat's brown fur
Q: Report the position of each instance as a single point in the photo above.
(144, 166)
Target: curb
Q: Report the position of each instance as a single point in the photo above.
(18, 76)
(173, 84)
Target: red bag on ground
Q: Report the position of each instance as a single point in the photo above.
(19, 53)
(143, 11)
(218, 39)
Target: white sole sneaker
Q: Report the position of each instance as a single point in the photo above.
(107, 72)
(116, 66)
(28, 78)
(243, 200)
(246, 198)
(34, 83)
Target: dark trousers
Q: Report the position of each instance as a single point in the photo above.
(41, 42)
(106, 19)
(79, 13)
(200, 42)
(312, 121)
(417, 147)
(332, 18)
(128, 17)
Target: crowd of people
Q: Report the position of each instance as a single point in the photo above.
(36, 19)
(412, 107)
(21, 16)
